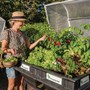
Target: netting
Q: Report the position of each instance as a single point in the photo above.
(68, 13)
(2, 25)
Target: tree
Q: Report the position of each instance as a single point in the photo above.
(33, 9)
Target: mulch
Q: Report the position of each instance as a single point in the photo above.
(3, 80)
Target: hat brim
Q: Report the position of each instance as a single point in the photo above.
(17, 19)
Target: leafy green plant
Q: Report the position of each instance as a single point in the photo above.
(11, 59)
(67, 51)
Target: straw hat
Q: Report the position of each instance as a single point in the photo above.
(17, 15)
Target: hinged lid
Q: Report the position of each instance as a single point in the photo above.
(68, 13)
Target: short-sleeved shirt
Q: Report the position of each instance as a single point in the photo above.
(16, 41)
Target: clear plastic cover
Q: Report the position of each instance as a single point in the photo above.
(68, 13)
(2, 25)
